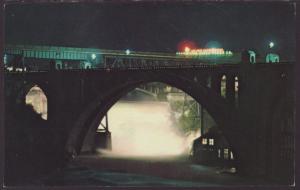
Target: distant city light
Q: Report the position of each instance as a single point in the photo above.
(205, 52)
(187, 49)
(271, 44)
(93, 56)
(127, 52)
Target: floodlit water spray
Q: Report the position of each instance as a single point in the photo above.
(145, 128)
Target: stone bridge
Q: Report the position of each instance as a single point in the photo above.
(257, 119)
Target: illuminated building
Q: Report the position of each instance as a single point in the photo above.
(205, 52)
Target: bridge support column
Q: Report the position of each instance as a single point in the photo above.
(57, 117)
(230, 94)
(101, 138)
(64, 107)
(216, 83)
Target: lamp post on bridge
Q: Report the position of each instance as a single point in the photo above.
(272, 57)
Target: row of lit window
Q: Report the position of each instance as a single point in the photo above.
(227, 154)
(210, 141)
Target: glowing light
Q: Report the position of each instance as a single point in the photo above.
(213, 44)
(272, 58)
(187, 49)
(93, 56)
(271, 44)
(205, 52)
(186, 43)
(127, 52)
(204, 141)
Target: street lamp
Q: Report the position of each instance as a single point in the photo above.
(127, 52)
(93, 56)
(271, 44)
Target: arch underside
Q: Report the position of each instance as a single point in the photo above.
(89, 120)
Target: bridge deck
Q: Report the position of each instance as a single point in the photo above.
(71, 53)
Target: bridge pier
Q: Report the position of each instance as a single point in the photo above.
(216, 83)
(230, 93)
(264, 117)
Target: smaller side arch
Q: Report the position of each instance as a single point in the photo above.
(38, 100)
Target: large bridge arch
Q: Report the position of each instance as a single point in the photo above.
(88, 121)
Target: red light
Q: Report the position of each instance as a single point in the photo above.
(187, 49)
(184, 44)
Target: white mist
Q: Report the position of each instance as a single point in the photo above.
(145, 128)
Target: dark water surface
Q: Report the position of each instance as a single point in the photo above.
(170, 171)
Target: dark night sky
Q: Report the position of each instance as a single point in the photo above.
(153, 26)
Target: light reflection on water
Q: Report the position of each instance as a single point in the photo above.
(145, 128)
